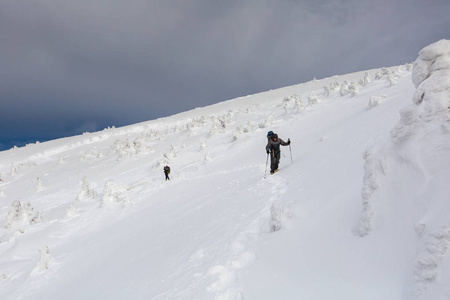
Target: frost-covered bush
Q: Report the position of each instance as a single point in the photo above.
(44, 261)
(237, 133)
(86, 192)
(353, 89)
(392, 80)
(173, 153)
(299, 106)
(286, 104)
(113, 193)
(335, 86)
(249, 127)
(218, 127)
(72, 211)
(203, 146)
(198, 122)
(313, 99)
(13, 170)
(267, 122)
(344, 88)
(366, 79)
(123, 149)
(21, 215)
(207, 157)
(375, 101)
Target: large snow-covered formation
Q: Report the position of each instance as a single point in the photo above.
(359, 209)
(406, 184)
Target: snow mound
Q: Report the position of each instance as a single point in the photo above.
(418, 151)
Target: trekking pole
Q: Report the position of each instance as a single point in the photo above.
(290, 150)
(267, 161)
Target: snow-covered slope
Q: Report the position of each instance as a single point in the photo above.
(360, 211)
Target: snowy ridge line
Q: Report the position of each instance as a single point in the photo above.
(315, 96)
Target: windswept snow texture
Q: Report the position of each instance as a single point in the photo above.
(361, 211)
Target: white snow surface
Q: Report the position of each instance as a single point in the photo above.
(362, 211)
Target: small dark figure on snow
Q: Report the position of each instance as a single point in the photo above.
(273, 148)
(167, 172)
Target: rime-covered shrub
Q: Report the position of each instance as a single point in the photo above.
(218, 127)
(61, 160)
(366, 79)
(207, 157)
(86, 192)
(237, 133)
(114, 193)
(353, 89)
(123, 149)
(286, 104)
(392, 80)
(203, 146)
(378, 75)
(344, 88)
(335, 86)
(44, 261)
(267, 122)
(249, 126)
(21, 215)
(313, 99)
(13, 170)
(299, 106)
(375, 101)
(72, 211)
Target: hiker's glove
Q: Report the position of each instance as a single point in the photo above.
(289, 141)
(268, 151)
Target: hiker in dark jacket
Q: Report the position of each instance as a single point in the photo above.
(167, 172)
(273, 148)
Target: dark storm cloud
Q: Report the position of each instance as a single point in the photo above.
(71, 66)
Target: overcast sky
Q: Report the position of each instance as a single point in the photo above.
(70, 66)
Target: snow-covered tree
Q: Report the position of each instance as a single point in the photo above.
(21, 215)
(114, 193)
(353, 89)
(375, 101)
(344, 88)
(44, 261)
(313, 99)
(86, 191)
(13, 169)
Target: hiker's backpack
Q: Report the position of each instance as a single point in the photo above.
(275, 145)
(269, 135)
(167, 169)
